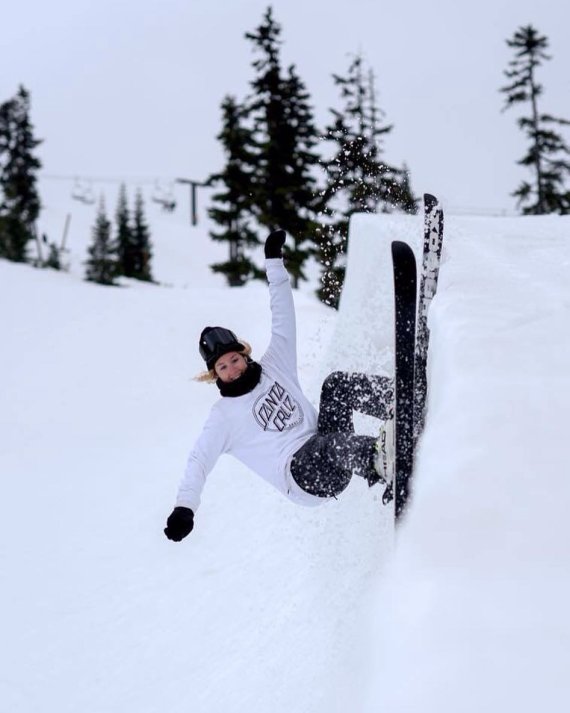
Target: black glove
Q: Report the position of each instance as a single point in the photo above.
(179, 524)
(274, 243)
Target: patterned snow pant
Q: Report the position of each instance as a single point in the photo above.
(324, 465)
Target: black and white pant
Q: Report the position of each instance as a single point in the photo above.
(324, 465)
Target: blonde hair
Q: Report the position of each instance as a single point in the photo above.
(210, 377)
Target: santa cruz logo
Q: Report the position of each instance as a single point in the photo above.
(276, 410)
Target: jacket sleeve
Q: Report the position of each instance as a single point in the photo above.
(212, 442)
(282, 350)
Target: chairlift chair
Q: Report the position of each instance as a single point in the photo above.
(82, 192)
(165, 198)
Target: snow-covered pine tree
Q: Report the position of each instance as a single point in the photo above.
(359, 180)
(142, 244)
(547, 155)
(285, 195)
(232, 209)
(19, 199)
(101, 265)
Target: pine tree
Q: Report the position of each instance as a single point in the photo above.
(126, 251)
(19, 199)
(133, 246)
(141, 242)
(232, 209)
(285, 195)
(547, 155)
(54, 256)
(358, 178)
(357, 173)
(305, 198)
(101, 266)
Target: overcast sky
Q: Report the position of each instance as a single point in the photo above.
(132, 88)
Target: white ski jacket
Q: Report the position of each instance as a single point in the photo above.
(266, 427)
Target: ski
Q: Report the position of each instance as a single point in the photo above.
(405, 293)
(431, 258)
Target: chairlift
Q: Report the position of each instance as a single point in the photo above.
(194, 185)
(83, 192)
(165, 198)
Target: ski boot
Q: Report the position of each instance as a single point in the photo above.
(384, 458)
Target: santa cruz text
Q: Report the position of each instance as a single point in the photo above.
(276, 410)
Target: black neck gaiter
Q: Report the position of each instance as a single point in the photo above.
(244, 384)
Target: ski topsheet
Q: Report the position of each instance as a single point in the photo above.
(432, 245)
(405, 290)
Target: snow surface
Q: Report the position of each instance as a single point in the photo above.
(474, 609)
(268, 606)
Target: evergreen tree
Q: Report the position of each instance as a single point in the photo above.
(285, 195)
(126, 251)
(54, 255)
(304, 199)
(232, 209)
(357, 173)
(141, 242)
(547, 155)
(19, 199)
(101, 266)
(358, 178)
(132, 243)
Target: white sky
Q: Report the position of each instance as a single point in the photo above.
(132, 88)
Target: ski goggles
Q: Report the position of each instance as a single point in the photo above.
(217, 340)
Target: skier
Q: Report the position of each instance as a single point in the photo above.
(266, 422)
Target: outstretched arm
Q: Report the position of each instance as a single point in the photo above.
(210, 445)
(282, 348)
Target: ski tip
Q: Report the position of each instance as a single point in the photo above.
(400, 248)
(432, 208)
(400, 245)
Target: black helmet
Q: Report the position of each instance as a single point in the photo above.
(217, 341)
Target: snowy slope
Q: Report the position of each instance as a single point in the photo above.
(100, 611)
(268, 606)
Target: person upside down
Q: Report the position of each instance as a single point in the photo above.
(264, 419)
